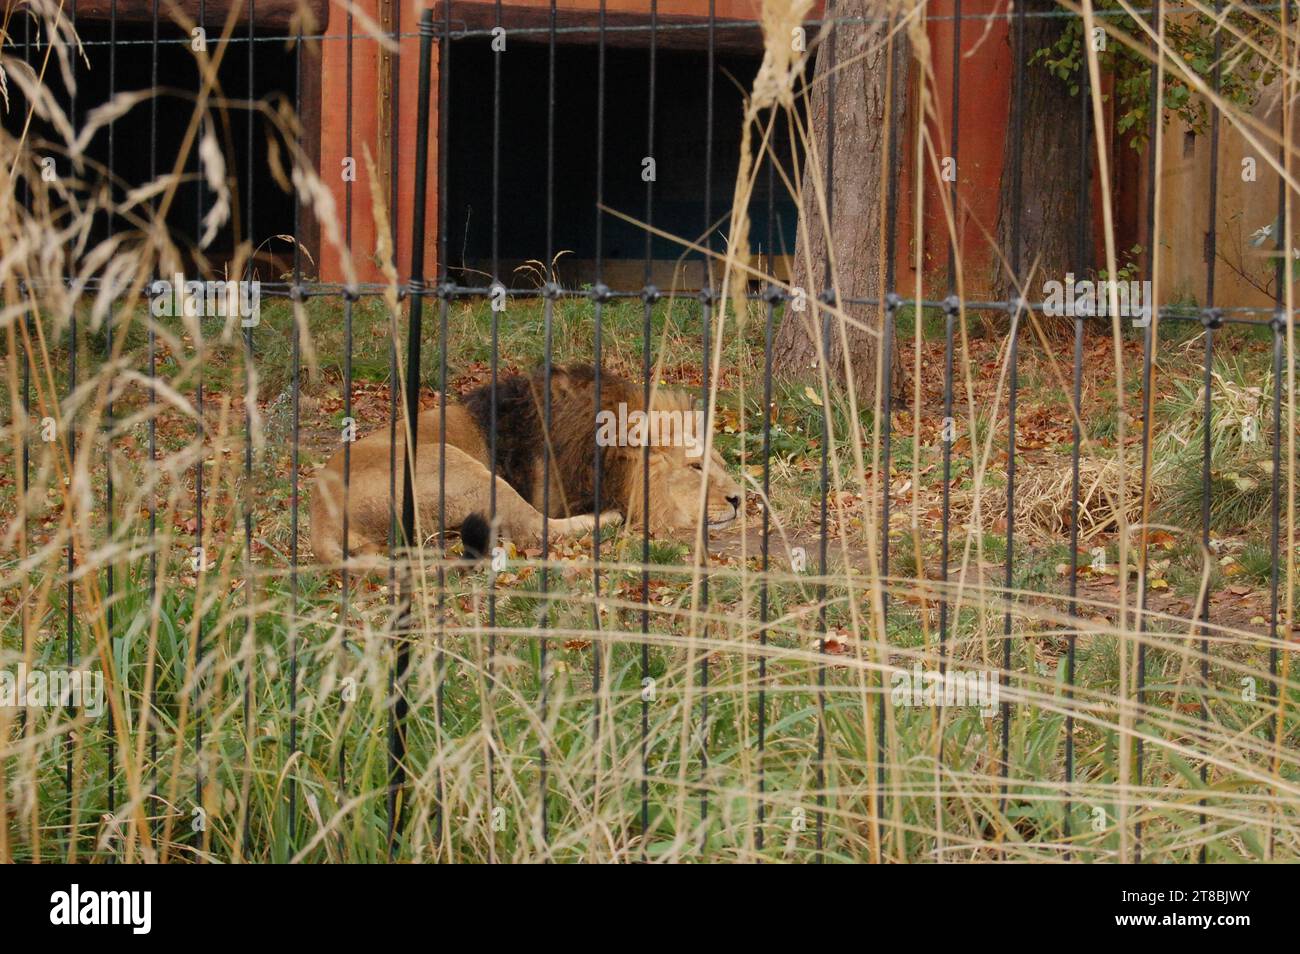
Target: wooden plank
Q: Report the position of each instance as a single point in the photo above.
(271, 14)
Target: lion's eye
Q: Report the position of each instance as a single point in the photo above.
(698, 466)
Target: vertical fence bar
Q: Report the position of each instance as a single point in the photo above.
(951, 311)
(706, 318)
(492, 411)
(1076, 440)
(1278, 327)
(1152, 318)
(948, 434)
(394, 378)
(70, 596)
(296, 297)
(827, 298)
(70, 660)
(24, 510)
(1015, 306)
(349, 300)
(394, 139)
(108, 455)
(250, 398)
(1210, 320)
(403, 624)
(1083, 261)
(649, 295)
(108, 416)
(830, 302)
(25, 196)
(444, 304)
(154, 592)
(1279, 324)
(885, 381)
(599, 296)
(201, 438)
(772, 296)
(548, 317)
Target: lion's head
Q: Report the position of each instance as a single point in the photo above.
(677, 461)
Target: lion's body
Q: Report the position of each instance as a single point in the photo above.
(374, 493)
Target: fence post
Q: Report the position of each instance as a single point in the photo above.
(402, 625)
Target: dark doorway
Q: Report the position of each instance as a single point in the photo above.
(681, 139)
(147, 140)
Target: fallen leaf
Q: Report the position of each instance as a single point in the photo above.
(1161, 538)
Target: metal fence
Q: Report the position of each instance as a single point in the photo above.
(86, 814)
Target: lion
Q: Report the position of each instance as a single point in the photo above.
(577, 429)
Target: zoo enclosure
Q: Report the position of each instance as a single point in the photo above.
(421, 163)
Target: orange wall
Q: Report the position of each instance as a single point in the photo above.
(366, 134)
(984, 97)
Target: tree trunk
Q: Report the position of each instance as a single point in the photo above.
(859, 193)
(1049, 145)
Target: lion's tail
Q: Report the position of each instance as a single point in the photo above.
(475, 534)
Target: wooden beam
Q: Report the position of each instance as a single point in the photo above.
(271, 14)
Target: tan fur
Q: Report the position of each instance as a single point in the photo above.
(674, 476)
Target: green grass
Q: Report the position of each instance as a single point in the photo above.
(309, 783)
(1240, 487)
(592, 786)
(1256, 562)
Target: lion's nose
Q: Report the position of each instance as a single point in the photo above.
(734, 500)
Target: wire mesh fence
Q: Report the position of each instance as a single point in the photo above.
(506, 432)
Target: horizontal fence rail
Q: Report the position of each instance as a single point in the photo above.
(328, 538)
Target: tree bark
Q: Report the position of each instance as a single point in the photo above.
(861, 172)
(1048, 148)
